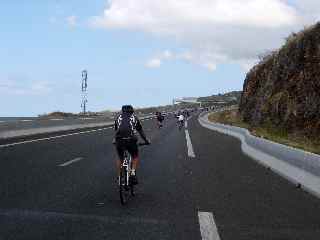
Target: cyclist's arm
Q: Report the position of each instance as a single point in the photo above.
(140, 130)
(115, 129)
(116, 124)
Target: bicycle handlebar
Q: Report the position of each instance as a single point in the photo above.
(139, 144)
(143, 144)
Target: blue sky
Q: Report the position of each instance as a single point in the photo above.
(46, 44)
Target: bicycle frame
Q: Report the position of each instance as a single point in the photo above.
(180, 124)
(125, 186)
(127, 162)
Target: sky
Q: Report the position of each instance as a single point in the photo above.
(139, 52)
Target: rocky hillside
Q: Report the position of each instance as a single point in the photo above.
(230, 98)
(284, 88)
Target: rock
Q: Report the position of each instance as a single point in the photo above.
(284, 88)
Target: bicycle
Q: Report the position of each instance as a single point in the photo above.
(159, 124)
(180, 125)
(126, 188)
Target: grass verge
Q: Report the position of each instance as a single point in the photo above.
(232, 117)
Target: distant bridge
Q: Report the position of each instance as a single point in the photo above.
(186, 100)
(195, 100)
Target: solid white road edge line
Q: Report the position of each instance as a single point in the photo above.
(189, 145)
(56, 119)
(50, 138)
(208, 227)
(70, 162)
(26, 120)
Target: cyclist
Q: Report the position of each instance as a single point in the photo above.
(160, 119)
(180, 120)
(126, 125)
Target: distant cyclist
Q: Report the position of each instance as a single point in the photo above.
(126, 125)
(160, 119)
(180, 120)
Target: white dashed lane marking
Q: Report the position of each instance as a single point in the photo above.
(70, 162)
(189, 145)
(208, 227)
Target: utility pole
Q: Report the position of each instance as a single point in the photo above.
(84, 86)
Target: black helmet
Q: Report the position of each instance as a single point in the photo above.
(127, 108)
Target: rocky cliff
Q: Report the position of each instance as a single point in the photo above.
(284, 88)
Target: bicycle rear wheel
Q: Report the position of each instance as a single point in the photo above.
(123, 191)
(131, 186)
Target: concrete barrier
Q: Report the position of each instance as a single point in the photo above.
(5, 135)
(298, 166)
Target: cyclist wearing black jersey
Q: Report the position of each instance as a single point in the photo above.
(160, 119)
(126, 125)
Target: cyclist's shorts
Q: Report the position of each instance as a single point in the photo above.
(127, 144)
(160, 119)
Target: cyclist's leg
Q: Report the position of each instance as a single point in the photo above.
(133, 150)
(120, 150)
(182, 124)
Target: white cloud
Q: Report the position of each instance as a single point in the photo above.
(16, 87)
(212, 31)
(157, 61)
(208, 60)
(154, 63)
(167, 15)
(71, 20)
(308, 9)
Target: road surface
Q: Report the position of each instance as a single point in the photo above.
(65, 188)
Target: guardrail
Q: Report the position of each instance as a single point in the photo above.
(298, 166)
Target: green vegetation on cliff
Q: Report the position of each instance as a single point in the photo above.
(283, 90)
(230, 98)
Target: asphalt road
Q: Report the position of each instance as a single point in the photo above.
(40, 199)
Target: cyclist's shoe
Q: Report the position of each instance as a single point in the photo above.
(133, 180)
